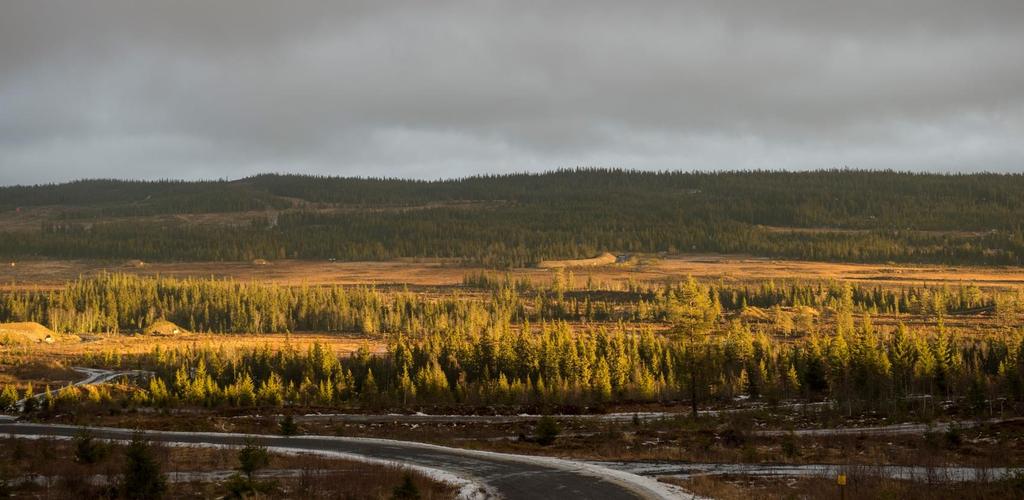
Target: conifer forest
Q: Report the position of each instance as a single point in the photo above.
(850, 318)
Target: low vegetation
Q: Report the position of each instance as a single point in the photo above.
(87, 467)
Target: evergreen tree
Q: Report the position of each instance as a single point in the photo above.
(142, 476)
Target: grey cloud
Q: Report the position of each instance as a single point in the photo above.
(439, 89)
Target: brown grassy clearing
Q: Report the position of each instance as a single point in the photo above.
(125, 344)
(989, 446)
(39, 372)
(48, 274)
(604, 259)
(995, 445)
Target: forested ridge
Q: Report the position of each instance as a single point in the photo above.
(519, 219)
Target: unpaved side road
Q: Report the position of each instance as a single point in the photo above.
(92, 376)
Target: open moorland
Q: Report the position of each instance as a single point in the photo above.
(425, 272)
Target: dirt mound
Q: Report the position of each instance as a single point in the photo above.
(164, 328)
(30, 331)
(604, 259)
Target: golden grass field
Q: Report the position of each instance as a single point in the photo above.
(605, 259)
(44, 274)
(134, 344)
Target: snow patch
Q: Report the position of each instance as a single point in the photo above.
(646, 487)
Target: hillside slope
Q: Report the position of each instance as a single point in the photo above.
(523, 219)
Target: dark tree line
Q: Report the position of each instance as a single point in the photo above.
(517, 220)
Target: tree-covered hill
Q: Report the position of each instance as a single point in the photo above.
(518, 219)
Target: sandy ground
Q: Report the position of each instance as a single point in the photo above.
(434, 272)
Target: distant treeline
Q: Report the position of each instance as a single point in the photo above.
(519, 219)
(129, 303)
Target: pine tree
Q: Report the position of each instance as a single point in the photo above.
(792, 381)
(142, 476)
(602, 381)
(369, 390)
(272, 391)
(407, 390)
(8, 397)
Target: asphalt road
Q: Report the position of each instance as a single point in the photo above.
(510, 476)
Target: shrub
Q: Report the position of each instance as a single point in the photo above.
(790, 447)
(88, 450)
(252, 458)
(547, 430)
(953, 437)
(288, 427)
(407, 490)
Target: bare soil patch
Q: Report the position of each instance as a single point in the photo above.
(32, 332)
(604, 259)
(164, 328)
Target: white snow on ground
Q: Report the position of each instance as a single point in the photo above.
(907, 428)
(644, 486)
(604, 417)
(425, 417)
(910, 473)
(469, 489)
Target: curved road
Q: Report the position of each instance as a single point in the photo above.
(496, 474)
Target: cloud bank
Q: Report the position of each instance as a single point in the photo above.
(199, 89)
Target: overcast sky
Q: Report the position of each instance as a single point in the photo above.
(428, 89)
